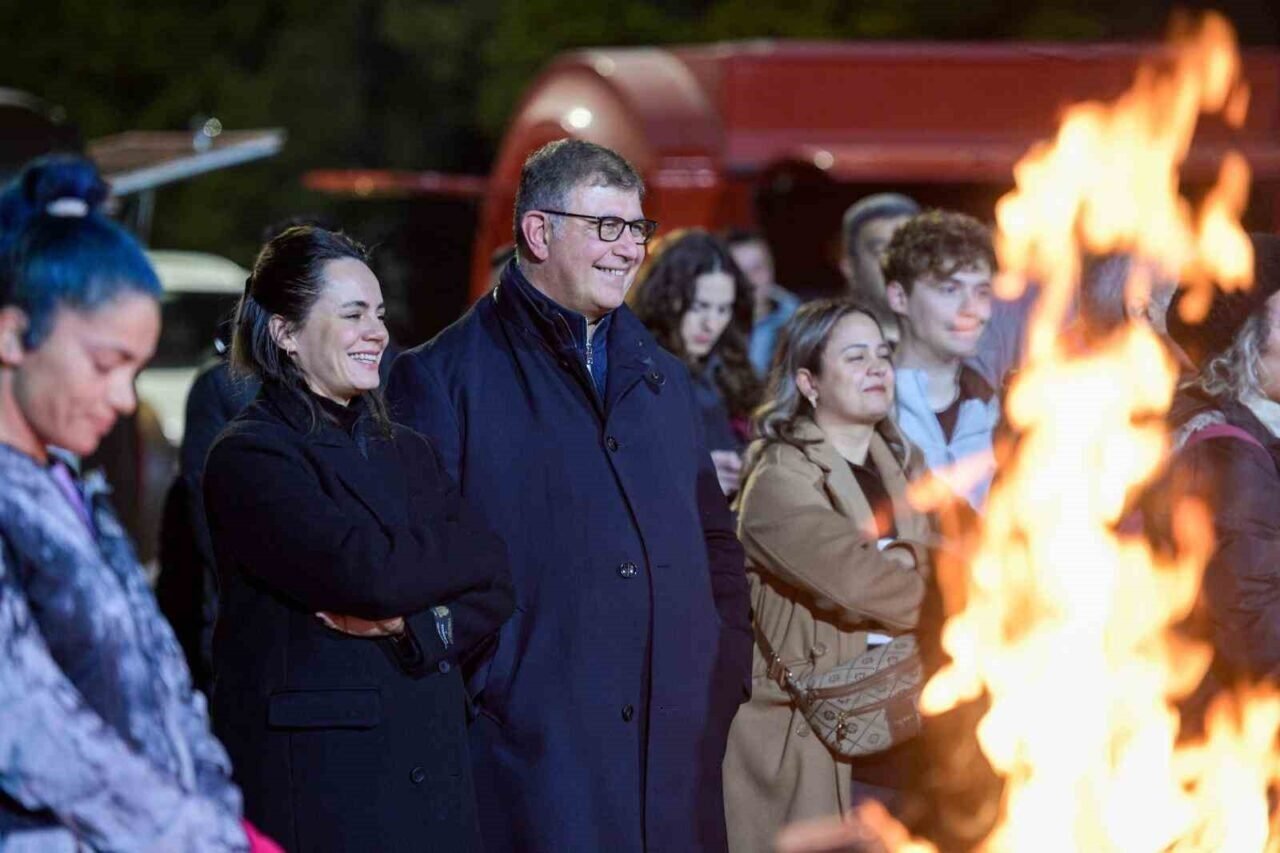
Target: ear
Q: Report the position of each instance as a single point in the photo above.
(805, 382)
(535, 227)
(282, 333)
(13, 326)
(896, 294)
(846, 269)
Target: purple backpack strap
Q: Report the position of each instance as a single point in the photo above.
(1221, 431)
(1132, 523)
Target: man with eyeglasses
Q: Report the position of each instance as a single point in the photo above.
(603, 706)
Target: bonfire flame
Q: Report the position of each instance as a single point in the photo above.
(1066, 623)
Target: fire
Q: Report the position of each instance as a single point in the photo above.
(1065, 623)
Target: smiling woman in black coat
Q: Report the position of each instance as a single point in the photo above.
(354, 582)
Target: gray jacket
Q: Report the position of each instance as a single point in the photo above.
(103, 743)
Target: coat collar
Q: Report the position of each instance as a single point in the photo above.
(631, 349)
(521, 303)
(356, 461)
(843, 489)
(289, 406)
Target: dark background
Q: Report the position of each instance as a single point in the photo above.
(423, 84)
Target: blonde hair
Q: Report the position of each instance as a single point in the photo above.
(1234, 373)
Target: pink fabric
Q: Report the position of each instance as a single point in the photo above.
(1221, 431)
(1133, 523)
(259, 843)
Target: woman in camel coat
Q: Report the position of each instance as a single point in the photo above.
(837, 560)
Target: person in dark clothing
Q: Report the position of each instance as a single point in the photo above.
(604, 709)
(188, 585)
(1226, 440)
(354, 580)
(693, 298)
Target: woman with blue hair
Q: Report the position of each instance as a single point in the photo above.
(103, 743)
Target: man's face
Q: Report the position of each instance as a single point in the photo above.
(582, 272)
(869, 247)
(946, 316)
(756, 262)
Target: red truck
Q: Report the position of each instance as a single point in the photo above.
(785, 135)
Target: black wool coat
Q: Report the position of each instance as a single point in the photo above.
(603, 712)
(343, 743)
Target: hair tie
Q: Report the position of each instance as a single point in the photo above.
(68, 207)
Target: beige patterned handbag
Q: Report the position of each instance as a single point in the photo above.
(862, 707)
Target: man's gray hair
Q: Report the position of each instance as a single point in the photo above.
(551, 173)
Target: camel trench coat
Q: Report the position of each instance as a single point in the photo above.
(818, 584)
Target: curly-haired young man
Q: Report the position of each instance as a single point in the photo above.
(938, 283)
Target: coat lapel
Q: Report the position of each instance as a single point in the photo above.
(845, 493)
(842, 488)
(911, 523)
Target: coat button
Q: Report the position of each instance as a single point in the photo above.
(802, 730)
(656, 378)
(627, 713)
(444, 666)
(819, 649)
(612, 444)
(417, 775)
(628, 569)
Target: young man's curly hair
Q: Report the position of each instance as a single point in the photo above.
(936, 244)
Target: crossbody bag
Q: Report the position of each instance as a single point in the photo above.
(862, 707)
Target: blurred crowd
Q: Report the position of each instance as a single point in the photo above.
(623, 559)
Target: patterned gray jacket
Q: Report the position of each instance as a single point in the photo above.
(103, 743)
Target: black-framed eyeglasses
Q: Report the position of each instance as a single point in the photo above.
(610, 227)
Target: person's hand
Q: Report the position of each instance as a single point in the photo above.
(728, 470)
(358, 627)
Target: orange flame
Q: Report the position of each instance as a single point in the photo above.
(1066, 624)
(1109, 183)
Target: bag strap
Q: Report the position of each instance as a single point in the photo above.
(1221, 431)
(1133, 523)
(774, 668)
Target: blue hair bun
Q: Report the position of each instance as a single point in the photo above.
(46, 181)
(56, 248)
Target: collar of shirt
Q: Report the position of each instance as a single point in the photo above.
(973, 386)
